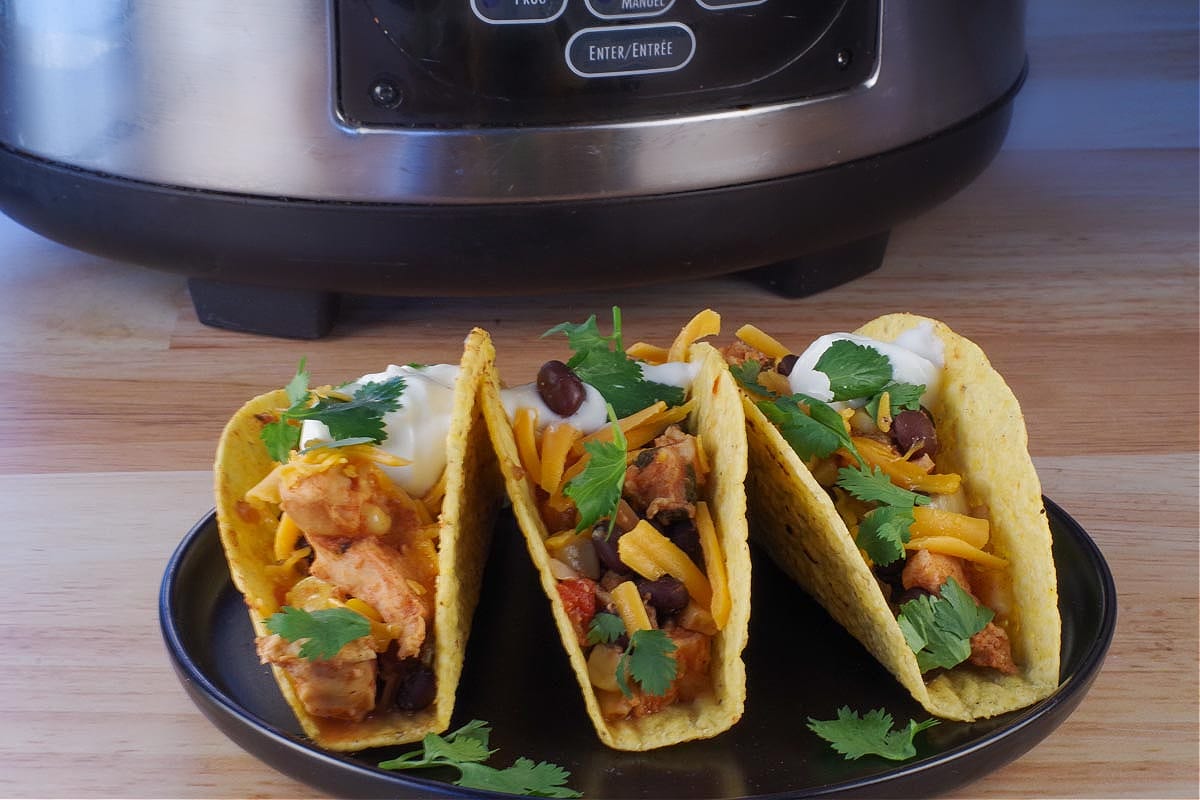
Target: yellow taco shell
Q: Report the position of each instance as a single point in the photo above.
(982, 437)
(718, 419)
(465, 524)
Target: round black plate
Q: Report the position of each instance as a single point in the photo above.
(799, 664)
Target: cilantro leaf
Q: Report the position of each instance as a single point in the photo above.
(467, 744)
(870, 484)
(901, 397)
(281, 438)
(458, 747)
(597, 489)
(586, 337)
(883, 532)
(939, 629)
(746, 374)
(339, 443)
(324, 632)
(355, 421)
(872, 734)
(811, 434)
(854, 370)
(619, 380)
(297, 388)
(605, 628)
(648, 660)
(362, 415)
(524, 777)
(466, 749)
(601, 361)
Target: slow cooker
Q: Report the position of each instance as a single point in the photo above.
(280, 152)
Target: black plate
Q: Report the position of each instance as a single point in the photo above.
(799, 664)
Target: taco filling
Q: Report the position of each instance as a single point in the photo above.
(341, 509)
(872, 444)
(908, 441)
(620, 495)
(357, 531)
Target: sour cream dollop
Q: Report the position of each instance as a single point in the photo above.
(416, 431)
(916, 356)
(592, 414)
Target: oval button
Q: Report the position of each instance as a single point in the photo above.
(630, 50)
(719, 5)
(517, 12)
(622, 9)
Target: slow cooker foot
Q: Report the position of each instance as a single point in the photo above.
(824, 269)
(269, 310)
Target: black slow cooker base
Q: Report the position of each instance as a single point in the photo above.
(274, 266)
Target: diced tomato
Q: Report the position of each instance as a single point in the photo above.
(579, 597)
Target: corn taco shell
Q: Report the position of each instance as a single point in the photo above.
(982, 437)
(717, 419)
(463, 529)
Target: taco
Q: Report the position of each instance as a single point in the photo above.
(890, 477)
(626, 478)
(355, 522)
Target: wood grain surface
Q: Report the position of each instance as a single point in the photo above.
(1072, 261)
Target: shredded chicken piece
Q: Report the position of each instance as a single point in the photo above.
(929, 571)
(662, 481)
(374, 571)
(347, 501)
(991, 648)
(737, 352)
(342, 687)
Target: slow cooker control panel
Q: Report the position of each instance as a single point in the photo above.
(479, 63)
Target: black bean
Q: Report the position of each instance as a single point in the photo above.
(914, 427)
(606, 547)
(786, 364)
(667, 594)
(687, 539)
(560, 388)
(417, 687)
(891, 574)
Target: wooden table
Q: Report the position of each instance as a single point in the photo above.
(1072, 261)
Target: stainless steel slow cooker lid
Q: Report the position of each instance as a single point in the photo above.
(236, 96)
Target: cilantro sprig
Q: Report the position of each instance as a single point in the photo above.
(854, 370)
(467, 748)
(648, 660)
(597, 489)
(814, 429)
(605, 628)
(323, 633)
(601, 361)
(884, 531)
(354, 421)
(939, 629)
(901, 397)
(854, 736)
(647, 657)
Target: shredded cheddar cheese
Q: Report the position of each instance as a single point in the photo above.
(714, 560)
(938, 522)
(651, 354)
(630, 608)
(705, 323)
(762, 342)
(557, 441)
(652, 555)
(525, 428)
(953, 546)
(287, 533)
